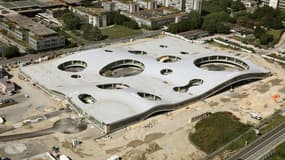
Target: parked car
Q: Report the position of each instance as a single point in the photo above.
(255, 116)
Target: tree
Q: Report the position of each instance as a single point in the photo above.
(258, 32)
(91, 33)
(215, 20)
(11, 51)
(221, 28)
(244, 21)
(87, 3)
(265, 38)
(237, 6)
(269, 17)
(70, 21)
(119, 19)
(211, 6)
(131, 24)
(193, 21)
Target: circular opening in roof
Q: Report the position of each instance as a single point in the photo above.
(86, 98)
(149, 96)
(191, 83)
(184, 52)
(138, 52)
(72, 66)
(168, 59)
(75, 76)
(113, 86)
(122, 68)
(221, 63)
(166, 71)
(163, 46)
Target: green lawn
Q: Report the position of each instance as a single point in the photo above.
(243, 141)
(265, 128)
(277, 33)
(118, 31)
(217, 130)
(279, 152)
(269, 125)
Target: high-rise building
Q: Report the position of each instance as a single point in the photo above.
(274, 3)
(196, 5)
(186, 5)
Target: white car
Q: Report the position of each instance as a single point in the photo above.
(114, 157)
(255, 116)
(2, 120)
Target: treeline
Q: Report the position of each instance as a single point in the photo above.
(218, 15)
(119, 19)
(193, 21)
(73, 22)
(10, 51)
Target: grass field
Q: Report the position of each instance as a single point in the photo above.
(243, 141)
(268, 126)
(118, 31)
(277, 33)
(217, 130)
(279, 152)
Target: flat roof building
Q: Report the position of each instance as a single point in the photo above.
(6, 86)
(274, 3)
(31, 6)
(38, 36)
(156, 17)
(97, 17)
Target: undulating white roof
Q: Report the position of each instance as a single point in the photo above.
(113, 105)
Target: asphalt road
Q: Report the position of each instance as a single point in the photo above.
(263, 143)
(66, 126)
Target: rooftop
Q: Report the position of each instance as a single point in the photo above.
(29, 24)
(91, 10)
(159, 13)
(30, 4)
(72, 1)
(118, 83)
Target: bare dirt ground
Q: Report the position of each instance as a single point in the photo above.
(163, 137)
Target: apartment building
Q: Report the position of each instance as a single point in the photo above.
(156, 17)
(36, 35)
(274, 3)
(97, 17)
(183, 5)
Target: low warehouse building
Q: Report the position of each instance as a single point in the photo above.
(6, 86)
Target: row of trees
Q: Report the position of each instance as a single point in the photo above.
(264, 16)
(10, 52)
(222, 5)
(119, 19)
(218, 15)
(91, 33)
(213, 23)
(215, 14)
(72, 22)
(193, 21)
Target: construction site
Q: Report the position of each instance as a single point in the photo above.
(136, 100)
